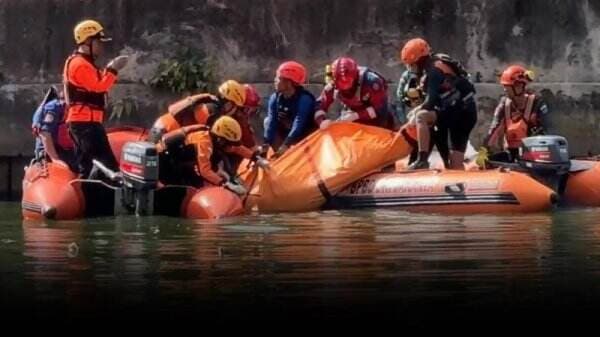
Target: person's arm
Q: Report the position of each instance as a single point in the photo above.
(435, 78)
(271, 120)
(496, 129)
(306, 106)
(242, 151)
(88, 77)
(204, 151)
(323, 103)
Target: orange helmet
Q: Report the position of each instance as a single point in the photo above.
(293, 71)
(413, 50)
(252, 97)
(516, 73)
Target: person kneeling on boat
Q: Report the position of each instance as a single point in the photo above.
(519, 114)
(449, 101)
(191, 155)
(362, 91)
(200, 109)
(52, 135)
(410, 95)
(291, 110)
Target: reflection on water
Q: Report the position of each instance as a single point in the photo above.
(338, 261)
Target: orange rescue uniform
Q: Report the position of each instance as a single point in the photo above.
(189, 111)
(85, 88)
(202, 143)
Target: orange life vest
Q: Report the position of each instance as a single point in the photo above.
(85, 88)
(517, 128)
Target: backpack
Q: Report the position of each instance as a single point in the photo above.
(454, 64)
(462, 79)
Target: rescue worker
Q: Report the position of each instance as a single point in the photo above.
(85, 88)
(362, 91)
(200, 109)
(291, 108)
(52, 135)
(519, 114)
(409, 95)
(242, 116)
(449, 101)
(191, 155)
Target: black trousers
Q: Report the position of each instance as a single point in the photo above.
(91, 143)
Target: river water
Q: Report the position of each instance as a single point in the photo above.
(325, 265)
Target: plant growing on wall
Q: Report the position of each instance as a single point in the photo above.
(188, 71)
(123, 109)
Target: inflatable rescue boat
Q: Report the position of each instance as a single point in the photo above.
(542, 177)
(52, 191)
(546, 159)
(498, 191)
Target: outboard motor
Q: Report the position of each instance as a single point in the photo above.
(546, 158)
(139, 167)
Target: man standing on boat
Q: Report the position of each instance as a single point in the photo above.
(86, 87)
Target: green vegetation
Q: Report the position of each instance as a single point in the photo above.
(188, 71)
(123, 109)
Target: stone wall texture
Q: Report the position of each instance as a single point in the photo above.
(560, 40)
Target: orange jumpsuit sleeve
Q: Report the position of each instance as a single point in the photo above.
(241, 151)
(84, 74)
(204, 148)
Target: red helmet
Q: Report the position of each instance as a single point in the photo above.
(293, 71)
(413, 50)
(516, 73)
(345, 72)
(252, 97)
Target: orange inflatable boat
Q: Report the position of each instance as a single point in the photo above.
(583, 183)
(52, 191)
(546, 159)
(497, 191)
(543, 176)
(119, 135)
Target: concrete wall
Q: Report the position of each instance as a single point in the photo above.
(247, 39)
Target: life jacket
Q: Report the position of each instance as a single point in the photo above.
(457, 87)
(384, 119)
(82, 104)
(185, 112)
(362, 74)
(175, 140)
(517, 129)
(193, 109)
